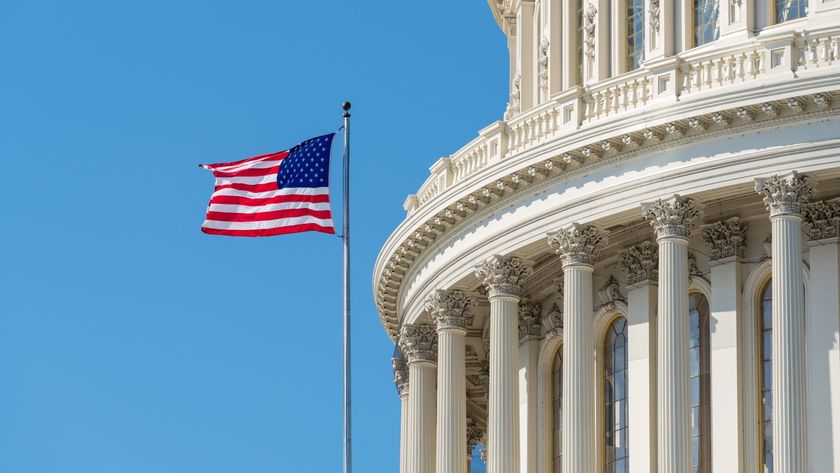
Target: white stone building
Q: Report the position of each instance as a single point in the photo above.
(638, 268)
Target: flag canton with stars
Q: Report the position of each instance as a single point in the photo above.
(308, 164)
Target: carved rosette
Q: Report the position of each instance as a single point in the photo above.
(419, 343)
(400, 376)
(640, 263)
(504, 276)
(450, 309)
(674, 217)
(726, 239)
(785, 195)
(823, 219)
(578, 244)
(474, 435)
(530, 324)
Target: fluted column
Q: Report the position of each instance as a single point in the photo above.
(530, 328)
(419, 345)
(577, 247)
(401, 382)
(673, 220)
(503, 278)
(784, 197)
(450, 309)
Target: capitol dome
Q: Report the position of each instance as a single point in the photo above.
(637, 268)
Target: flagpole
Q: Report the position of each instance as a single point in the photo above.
(348, 459)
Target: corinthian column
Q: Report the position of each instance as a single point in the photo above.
(503, 278)
(673, 220)
(419, 345)
(577, 247)
(401, 382)
(451, 312)
(784, 197)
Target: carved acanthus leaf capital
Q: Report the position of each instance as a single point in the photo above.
(640, 263)
(450, 309)
(578, 244)
(529, 320)
(419, 343)
(673, 218)
(823, 219)
(400, 375)
(504, 275)
(726, 239)
(785, 195)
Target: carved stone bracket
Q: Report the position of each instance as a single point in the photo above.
(823, 219)
(450, 309)
(578, 244)
(419, 343)
(640, 263)
(674, 217)
(529, 320)
(785, 195)
(504, 276)
(400, 376)
(726, 239)
(610, 293)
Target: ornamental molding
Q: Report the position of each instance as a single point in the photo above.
(823, 219)
(400, 376)
(465, 209)
(530, 324)
(450, 309)
(640, 263)
(419, 343)
(785, 195)
(726, 239)
(503, 276)
(578, 244)
(674, 217)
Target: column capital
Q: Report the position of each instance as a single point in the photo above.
(530, 324)
(726, 239)
(400, 376)
(674, 217)
(419, 343)
(823, 219)
(785, 195)
(640, 263)
(450, 309)
(504, 275)
(577, 244)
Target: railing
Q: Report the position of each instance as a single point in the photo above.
(692, 73)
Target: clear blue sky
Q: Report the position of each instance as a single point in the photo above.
(130, 341)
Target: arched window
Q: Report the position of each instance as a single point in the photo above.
(580, 42)
(698, 316)
(615, 397)
(635, 34)
(706, 22)
(557, 410)
(790, 10)
(765, 349)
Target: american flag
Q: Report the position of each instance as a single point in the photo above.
(273, 194)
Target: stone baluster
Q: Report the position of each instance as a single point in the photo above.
(578, 246)
(784, 197)
(419, 345)
(451, 312)
(673, 219)
(503, 278)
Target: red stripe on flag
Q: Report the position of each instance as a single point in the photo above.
(272, 215)
(262, 157)
(277, 199)
(248, 172)
(270, 186)
(306, 227)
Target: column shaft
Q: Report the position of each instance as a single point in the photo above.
(421, 414)
(641, 376)
(529, 352)
(451, 401)
(503, 410)
(404, 432)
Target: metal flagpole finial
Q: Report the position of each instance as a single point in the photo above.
(346, 106)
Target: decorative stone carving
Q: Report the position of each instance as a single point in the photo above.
(693, 270)
(484, 375)
(419, 343)
(503, 275)
(555, 317)
(529, 320)
(823, 219)
(726, 239)
(654, 17)
(610, 293)
(770, 109)
(640, 263)
(674, 217)
(450, 309)
(589, 35)
(400, 376)
(578, 244)
(542, 75)
(514, 106)
(474, 435)
(796, 105)
(785, 194)
(823, 101)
